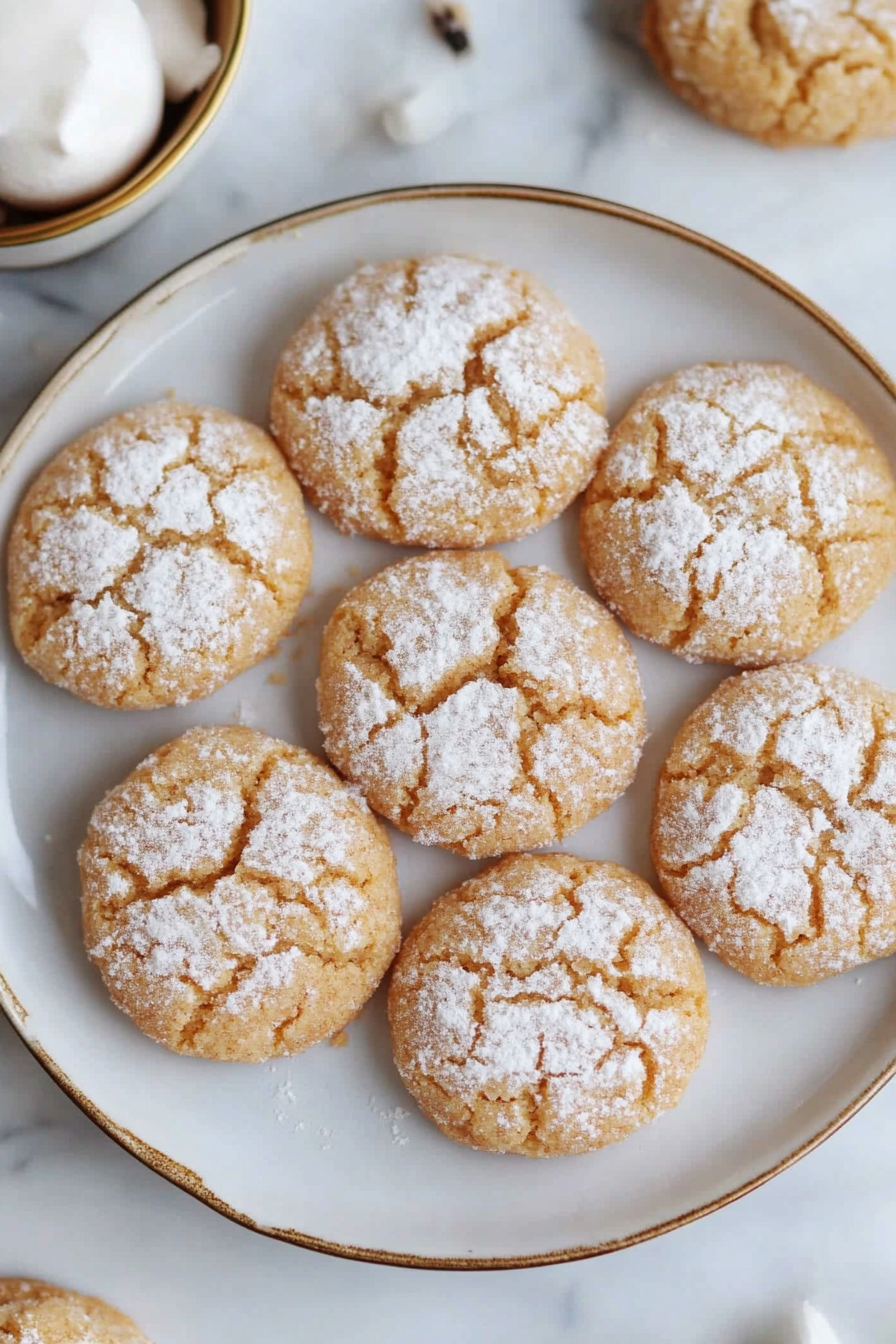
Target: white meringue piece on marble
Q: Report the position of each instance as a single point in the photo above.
(178, 30)
(421, 114)
(814, 1327)
(81, 98)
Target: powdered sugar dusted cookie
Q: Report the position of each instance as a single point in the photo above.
(790, 72)
(741, 514)
(443, 402)
(550, 1005)
(477, 706)
(775, 828)
(32, 1312)
(238, 899)
(157, 556)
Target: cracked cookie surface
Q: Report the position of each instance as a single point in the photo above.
(442, 402)
(774, 831)
(550, 1005)
(742, 514)
(785, 71)
(32, 1312)
(480, 707)
(239, 900)
(157, 556)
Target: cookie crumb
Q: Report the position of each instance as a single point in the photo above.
(339, 1041)
(277, 679)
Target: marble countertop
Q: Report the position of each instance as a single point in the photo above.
(557, 94)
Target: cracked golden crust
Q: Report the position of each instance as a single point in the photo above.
(33, 1312)
(550, 1005)
(239, 901)
(741, 514)
(774, 830)
(157, 556)
(785, 73)
(443, 402)
(480, 707)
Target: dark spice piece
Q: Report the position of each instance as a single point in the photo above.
(452, 26)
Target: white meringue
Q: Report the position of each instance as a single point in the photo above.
(815, 1328)
(81, 98)
(178, 31)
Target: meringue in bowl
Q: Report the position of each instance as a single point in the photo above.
(85, 201)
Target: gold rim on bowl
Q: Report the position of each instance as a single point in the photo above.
(229, 28)
(161, 1163)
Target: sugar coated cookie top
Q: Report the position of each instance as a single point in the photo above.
(240, 901)
(442, 402)
(550, 1005)
(157, 556)
(775, 827)
(32, 1312)
(479, 706)
(785, 71)
(741, 514)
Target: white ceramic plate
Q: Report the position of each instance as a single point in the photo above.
(327, 1150)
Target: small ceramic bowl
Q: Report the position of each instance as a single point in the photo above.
(47, 239)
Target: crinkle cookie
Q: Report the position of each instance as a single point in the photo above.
(238, 899)
(32, 1312)
(477, 706)
(550, 1005)
(157, 556)
(774, 834)
(742, 514)
(442, 402)
(790, 72)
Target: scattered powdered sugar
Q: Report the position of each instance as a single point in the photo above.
(770, 857)
(248, 507)
(825, 749)
(189, 599)
(83, 554)
(186, 936)
(370, 707)
(817, 28)
(99, 635)
(472, 749)
(163, 841)
(387, 345)
(560, 642)
(669, 529)
(181, 503)
(135, 467)
(301, 834)
(443, 616)
(393, 1117)
(276, 971)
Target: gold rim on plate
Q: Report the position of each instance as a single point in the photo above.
(230, 30)
(163, 289)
